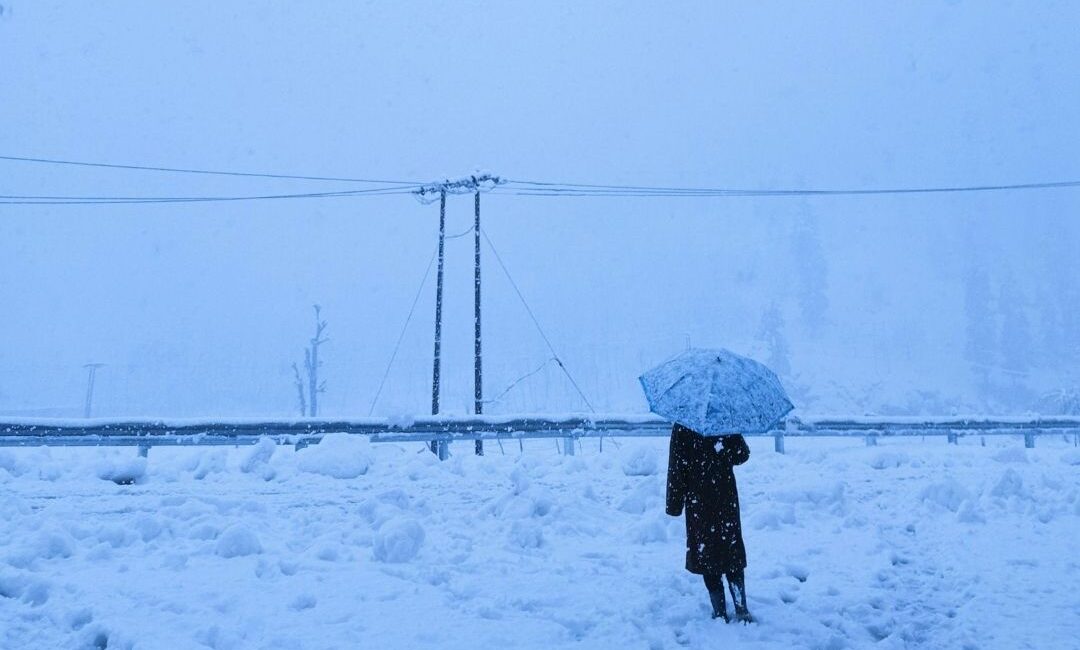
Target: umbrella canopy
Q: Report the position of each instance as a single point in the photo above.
(716, 392)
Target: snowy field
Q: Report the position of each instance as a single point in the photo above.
(908, 545)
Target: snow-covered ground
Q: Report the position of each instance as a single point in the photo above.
(345, 545)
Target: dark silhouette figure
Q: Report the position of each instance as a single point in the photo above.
(701, 479)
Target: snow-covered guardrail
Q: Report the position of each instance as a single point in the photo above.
(146, 433)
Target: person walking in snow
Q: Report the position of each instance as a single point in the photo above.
(701, 480)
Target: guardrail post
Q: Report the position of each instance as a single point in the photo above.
(871, 440)
(778, 442)
(953, 438)
(1076, 440)
(568, 446)
(1029, 440)
(144, 451)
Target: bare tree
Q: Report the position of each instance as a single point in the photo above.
(300, 390)
(309, 400)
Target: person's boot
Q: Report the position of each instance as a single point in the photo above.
(738, 596)
(743, 615)
(719, 605)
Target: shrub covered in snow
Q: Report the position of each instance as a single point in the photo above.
(398, 540)
(338, 455)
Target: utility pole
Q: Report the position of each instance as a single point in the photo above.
(91, 373)
(438, 447)
(478, 373)
(470, 184)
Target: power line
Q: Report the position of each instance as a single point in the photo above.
(401, 336)
(540, 188)
(460, 234)
(490, 182)
(551, 348)
(520, 379)
(126, 200)
(180, 170)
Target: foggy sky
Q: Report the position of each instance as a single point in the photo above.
(888, 304)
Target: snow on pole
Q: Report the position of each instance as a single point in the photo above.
(438, 447)
(478, 368)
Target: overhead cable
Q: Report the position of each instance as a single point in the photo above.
(528, 309)
(180, 170)
(539, 188)
(123, 200)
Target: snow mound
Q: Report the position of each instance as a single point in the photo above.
(1011, 455)
(519, 477)
(645, 496)
(526, 534)
(1009, 485)
(398, 540)
(338, 455)
(1071, 457)
(529, 503)
(258, 456)
(236, 541)
(422, 466)
(969, 513)
(649, 532)
(216, 638)
(774, 518)
(207, 463)
(121, 470)
(257, 459)
(639, 460)
(302, 602)
(887, 459)
(54, 543)
(829, 495)
(11, 464)
(32, 591)
(948, 494)
(148, 528)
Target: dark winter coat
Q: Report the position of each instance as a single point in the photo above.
(701, 478)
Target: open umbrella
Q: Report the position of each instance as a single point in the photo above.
(716, 392)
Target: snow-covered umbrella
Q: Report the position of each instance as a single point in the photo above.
(716, 392)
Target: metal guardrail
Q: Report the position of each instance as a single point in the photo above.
(146, 433)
